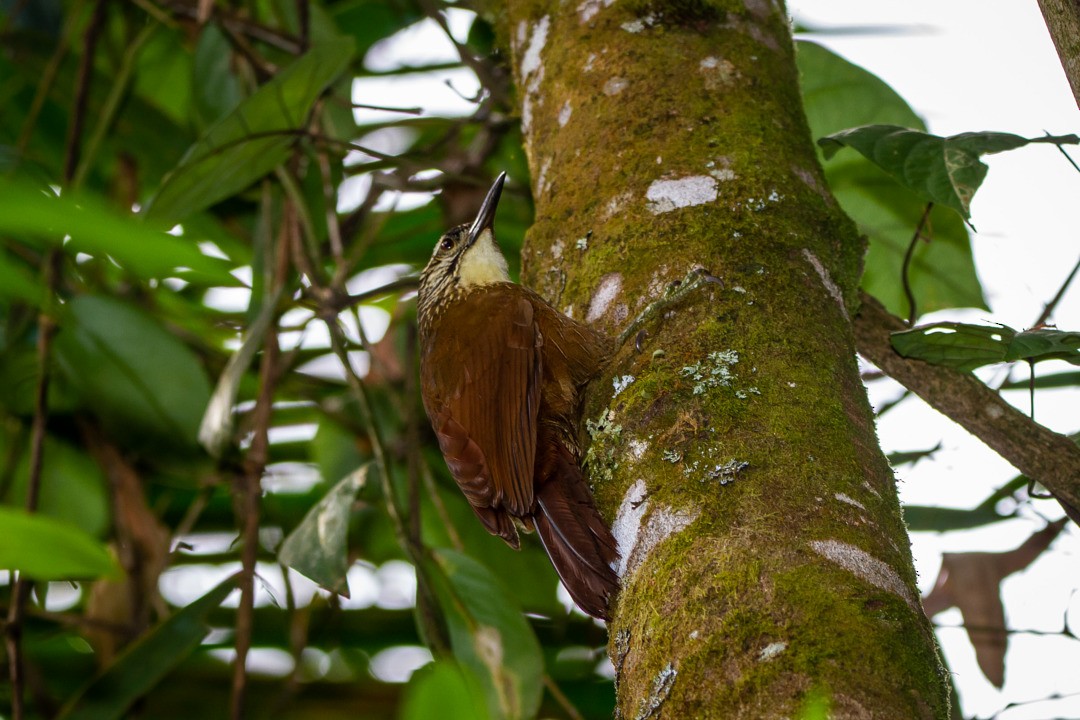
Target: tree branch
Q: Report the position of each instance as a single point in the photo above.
(1063, 21)
(1041, 454)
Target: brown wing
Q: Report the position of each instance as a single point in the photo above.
(483, 395)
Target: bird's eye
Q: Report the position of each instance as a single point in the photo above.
(446, 244)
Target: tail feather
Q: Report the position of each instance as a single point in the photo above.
(574, 535)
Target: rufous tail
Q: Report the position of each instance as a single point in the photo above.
(576, 538)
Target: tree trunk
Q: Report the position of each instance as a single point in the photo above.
(766, 567)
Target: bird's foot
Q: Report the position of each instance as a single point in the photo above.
(676, 292)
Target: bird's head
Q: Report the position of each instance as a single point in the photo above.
(465, 257)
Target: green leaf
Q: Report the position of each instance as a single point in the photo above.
(73, 487)
(48, 549)
(488, 634)
(943, 170)
(443, 690)
(144, 663)
(18, 284)
(132, 372)
(217, 89)
(45, 219)
(838, 95)
(957, 345)
(926, 518)
(253, 139)
(965, 347)
(318, 547)
(1045, 344)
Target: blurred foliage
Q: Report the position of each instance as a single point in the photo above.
(155, 198)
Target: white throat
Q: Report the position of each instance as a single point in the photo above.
(483, 263)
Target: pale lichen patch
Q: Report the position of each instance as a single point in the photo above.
(849, 500)
(826, 280)
(532, 68)
(615, 85)
(564, 114)
(771, 650)
(588, 9)
(867, 567)
(635, 536)
(661, 688)
(667, 195)
(621, 383)
(610, 287)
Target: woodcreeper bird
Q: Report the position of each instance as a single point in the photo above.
(501, 375)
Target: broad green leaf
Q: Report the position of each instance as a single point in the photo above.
(926, 518)
(488, 634)
(369, 21)
(131, 372)
(145, 662)
(73, 487)
(45, 219)
(318, 547)
(48, 549)
(18, 284)
(839, 95)
(1045, 344)
(443, 690)
(253, 139)
(943, 170)
(217, 89)
(965, 347)
(957, 345)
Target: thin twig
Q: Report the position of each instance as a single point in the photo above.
(412, 433)
(333, 227)
(48, 77)
(20, 592)
(561, 699)
(1049, 308)
(250, 489)
(117, 91)
(905, 279)
(440, 507)
(82, 91)
(1062, 150)
(416, 110)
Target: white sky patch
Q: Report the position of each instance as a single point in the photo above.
(866, 566)
(667, 195)
(826, 280)
(610, 287)
(635, 539)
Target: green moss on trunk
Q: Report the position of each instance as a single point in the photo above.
(733, 439)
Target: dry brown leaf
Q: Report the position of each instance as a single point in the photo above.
(972, 582)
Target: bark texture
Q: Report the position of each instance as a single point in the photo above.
(766, 567)
(1063, 21)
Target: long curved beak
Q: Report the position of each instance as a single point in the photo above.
(485, 218)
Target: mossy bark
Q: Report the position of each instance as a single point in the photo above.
(767, 567)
